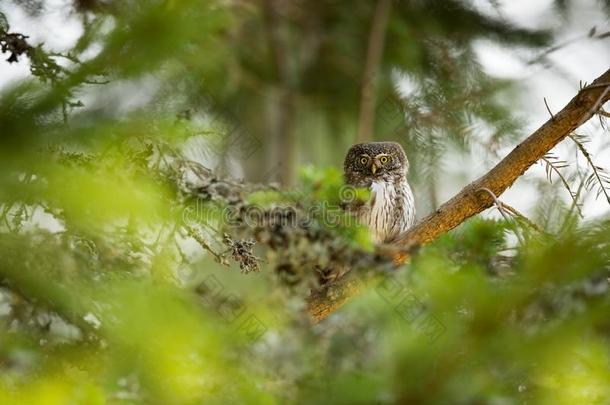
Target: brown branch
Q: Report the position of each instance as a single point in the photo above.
(325, 301)
(373, 58)
(469, 201)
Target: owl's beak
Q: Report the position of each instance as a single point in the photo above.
(373, 168)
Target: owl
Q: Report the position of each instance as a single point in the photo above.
(382, 168)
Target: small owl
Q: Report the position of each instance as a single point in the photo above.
(382, 167)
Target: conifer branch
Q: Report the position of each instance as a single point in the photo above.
(470, 201)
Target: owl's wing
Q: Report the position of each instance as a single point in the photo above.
(357, 207)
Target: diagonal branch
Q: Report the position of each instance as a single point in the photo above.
(470, 201)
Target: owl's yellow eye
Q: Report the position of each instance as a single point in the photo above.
(384, 159)
(364, 160)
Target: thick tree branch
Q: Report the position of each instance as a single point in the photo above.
(471, 200)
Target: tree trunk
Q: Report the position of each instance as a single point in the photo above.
(373, 59)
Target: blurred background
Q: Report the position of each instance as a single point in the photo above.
(456, 84)
(108, 296)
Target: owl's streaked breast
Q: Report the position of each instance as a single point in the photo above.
(390, 211)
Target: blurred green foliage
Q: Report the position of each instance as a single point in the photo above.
(113, 284)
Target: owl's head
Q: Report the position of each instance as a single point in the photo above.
(367, 162)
